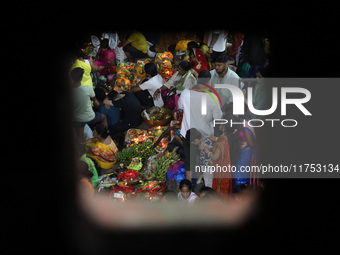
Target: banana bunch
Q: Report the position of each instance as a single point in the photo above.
(163, 163)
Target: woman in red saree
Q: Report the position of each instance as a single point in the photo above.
(198, 60)
(220, 156)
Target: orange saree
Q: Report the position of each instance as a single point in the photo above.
(223, 179)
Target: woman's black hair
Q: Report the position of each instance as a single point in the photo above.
(192, 134)
(186, 183)
(190, 46)
(102, 130)
(185, 65)
(104, 43)
(233, 139)
(151, 69)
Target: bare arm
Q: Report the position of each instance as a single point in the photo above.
(95, 102)
(91, 140)
(158, 91)
(135, 88)
(94, 67)
(214, 155)
(178, 138)
(108, 103)
(126, 43)
(213, 41)
(249, 140)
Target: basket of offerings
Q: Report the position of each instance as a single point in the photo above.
(157, 116)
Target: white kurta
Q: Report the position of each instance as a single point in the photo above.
(191, 103)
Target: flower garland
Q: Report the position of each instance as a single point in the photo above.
(128, 175)
(126, 188)
(152, 190)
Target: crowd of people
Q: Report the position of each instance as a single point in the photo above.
(101, 115)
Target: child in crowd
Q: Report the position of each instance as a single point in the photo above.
(90, 165)
(85, 182)
(169, 196)
(186, 195)
(206, 192)
(203, 142)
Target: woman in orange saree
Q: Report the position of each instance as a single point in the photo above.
(223, 176)
(102, 148)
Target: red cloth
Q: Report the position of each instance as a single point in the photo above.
(202, 61)
(223, 180)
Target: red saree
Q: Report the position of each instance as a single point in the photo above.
(202, 61)
(223, 181)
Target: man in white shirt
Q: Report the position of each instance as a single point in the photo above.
(217, 43)
(223, 75)
(154, 83)
(182, 79)
(191, 103)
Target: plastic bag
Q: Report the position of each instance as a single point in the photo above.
(150, 166)
(120, 55)
(113, 39)
(173, 170)
(180, 174)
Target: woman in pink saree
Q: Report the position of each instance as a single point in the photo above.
(106, 57)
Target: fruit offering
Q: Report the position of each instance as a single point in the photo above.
(142, 151)
(135, 164)
(157, 113)
(163, 163)
(123, 84)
